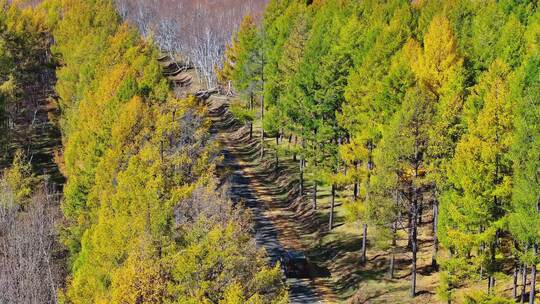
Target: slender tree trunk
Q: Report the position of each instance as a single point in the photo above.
(364, 242)
(277, 153)
(515, 281)
(410, 230)
(392, 250)
(392, 263)
(355, 190)
(262, 100)
(262, 143)
(332, 204)
(532, 293)
(250, 130)
(301, 177)
(523, 282)
(295, 144)
(314, 195)
(413, 219)
(481, 251)
(414, 252)
(262, 127)
(491, 277)
(435, 235)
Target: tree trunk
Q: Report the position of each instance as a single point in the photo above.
(491, 277)
(314, 195)
(262, 128)
(277, 153)
(435, 236)
(250, 130)
(295, 144)
(332, 204)
(532, 293)
(515, 281)
(523, 282)
(355, 190)
(414, 253)
(413, 214)
(392, 263)
(410, 232)
(392, 250)
(301, 177)
(491, 284)
(364, 242)
(262, 143)
(481, 250)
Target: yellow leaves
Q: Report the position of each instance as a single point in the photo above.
(140, 280)
(20, 179)
(8, 87)
(233, 295)
(439, 58)
(495, 119)
(132, 125)
(354, 210)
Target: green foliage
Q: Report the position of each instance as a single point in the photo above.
(135, 159)
(437, 96)
(20, 179)
(473, 209)
(524, 219)
(478, 297)
(248, 69)
(241, 113)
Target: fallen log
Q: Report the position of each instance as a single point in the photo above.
(179, 70)
(205, 94)
(164, 58)
(179, 77)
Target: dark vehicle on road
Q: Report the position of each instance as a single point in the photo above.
(294, 264)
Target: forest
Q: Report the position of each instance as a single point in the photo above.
(409, 107)
(141, 221)
(174, 151)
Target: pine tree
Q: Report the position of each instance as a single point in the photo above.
(473, 209)
(438, 69)
(374, 90)
(525, 217)
(404, 144)
(282, 19)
